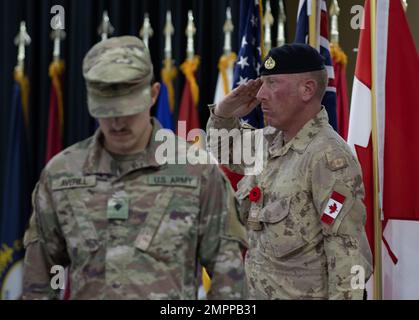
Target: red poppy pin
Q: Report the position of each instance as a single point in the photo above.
(254, 194)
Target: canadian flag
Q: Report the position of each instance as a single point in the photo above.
(397, 109)
(333, 207)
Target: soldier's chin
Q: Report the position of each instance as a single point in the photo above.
(121, 142)
(122, 148)
(269, 121)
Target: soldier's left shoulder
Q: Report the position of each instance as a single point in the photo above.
(335, 152)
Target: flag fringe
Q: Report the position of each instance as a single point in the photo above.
(226, 61)
(189, 68)
(23, 82)
(338, 55)
(168, 74)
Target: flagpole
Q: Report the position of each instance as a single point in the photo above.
(312, 31)
(262, 33)
(377, 209)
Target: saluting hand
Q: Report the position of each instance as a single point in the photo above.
(239, 102)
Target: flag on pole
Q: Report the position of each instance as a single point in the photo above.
(163, 113)
(397, 110)
(56, 111)
(225, 76)
(322, 45)
(250, 53)
(224, 85)
(168, 74)
(340, 61)
(166, 102)
(16, 197)
(188, 110)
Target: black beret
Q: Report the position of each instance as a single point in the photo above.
(292, 58)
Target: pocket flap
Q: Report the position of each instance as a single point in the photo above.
(153, 220)
(275, 211)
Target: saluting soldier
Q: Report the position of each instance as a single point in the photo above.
(304, 210)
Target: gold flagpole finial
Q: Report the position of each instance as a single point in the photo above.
(280, 40)
(105, 29)
(228, 29)
(21, 40)
(190, 32)
(334, 12)
(146, 31)
(268, 21)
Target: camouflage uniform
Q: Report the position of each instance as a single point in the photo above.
(176, 217)
(292, 253)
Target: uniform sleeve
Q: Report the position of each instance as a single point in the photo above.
(44, 244)
(217, 140)
(222, 238)
(337, 180)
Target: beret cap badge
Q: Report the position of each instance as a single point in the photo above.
(270, 63)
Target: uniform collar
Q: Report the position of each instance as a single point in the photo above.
(303, 138)
(99, 161)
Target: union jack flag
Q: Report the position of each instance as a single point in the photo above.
(323, 46)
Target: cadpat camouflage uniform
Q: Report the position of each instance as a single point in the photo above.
(292, 253)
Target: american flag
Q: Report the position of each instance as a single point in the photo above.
(301, 36)
(250, 53)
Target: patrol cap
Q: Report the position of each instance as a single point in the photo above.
(292, 58)
(118, 73)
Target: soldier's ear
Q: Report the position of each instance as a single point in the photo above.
(155, 90)
(308, 89)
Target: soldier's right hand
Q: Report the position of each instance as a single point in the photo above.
(240, 101)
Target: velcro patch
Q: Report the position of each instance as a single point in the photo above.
(173, 180)
(333, 207)
(74, 182)
(336, 163)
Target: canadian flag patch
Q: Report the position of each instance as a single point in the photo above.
(334, 205)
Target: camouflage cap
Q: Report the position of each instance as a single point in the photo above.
(118, 73)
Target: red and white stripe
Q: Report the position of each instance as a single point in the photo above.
(333, 208)
(397, 109)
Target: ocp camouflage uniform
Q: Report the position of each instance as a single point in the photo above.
(128, 226)
(179, 215)
(292, 253)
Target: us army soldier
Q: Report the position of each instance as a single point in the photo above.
(126, 226)
(304, 211)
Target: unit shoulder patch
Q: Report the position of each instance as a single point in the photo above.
(336, 161)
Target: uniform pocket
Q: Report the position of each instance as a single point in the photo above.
(78, 226)
(169, 231)
(243, 188)
(280, 232)
(153, 221)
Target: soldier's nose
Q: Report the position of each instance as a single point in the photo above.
(117, 123)
(260, 96)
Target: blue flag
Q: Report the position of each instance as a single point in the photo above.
(15, 211)
(301, 36)
(163, 113)
(250, 54)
